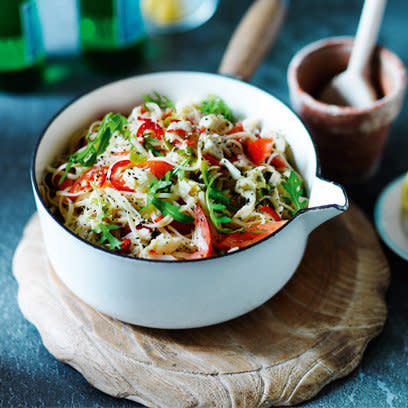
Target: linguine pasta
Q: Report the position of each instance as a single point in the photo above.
(173, 182)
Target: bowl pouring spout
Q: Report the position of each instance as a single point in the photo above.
(327, 200)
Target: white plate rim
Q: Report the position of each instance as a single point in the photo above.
(378, 211)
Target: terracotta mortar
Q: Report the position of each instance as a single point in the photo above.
(349, 140)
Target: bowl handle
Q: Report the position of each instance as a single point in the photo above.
(252, 38)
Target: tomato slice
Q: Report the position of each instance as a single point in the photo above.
(243, 239)
(237, 128)
(260, 149)
(271, 212)
(116, 177)
(201, 222)
(158, 167)
(96, 175)
(278, 162)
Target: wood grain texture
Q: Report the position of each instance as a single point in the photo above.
(253, 38)
(312, 332)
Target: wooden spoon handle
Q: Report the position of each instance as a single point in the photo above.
(252, 38)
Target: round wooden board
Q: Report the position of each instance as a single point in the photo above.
(312, 332)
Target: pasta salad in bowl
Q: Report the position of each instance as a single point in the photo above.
(182, 208)
(175, 181)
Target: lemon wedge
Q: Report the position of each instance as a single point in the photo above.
(404, 194)
(163, 12)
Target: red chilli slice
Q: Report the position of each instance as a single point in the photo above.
(212, 160)
(149, 125)
(178, 132)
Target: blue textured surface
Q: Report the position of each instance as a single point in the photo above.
(29, 375)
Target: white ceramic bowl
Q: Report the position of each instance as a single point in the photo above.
(182, 294)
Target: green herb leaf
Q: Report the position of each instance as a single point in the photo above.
(117, 122)
(67, 169)
(222, 219)
(87, 157)
(160, 100)
(218, 207)
(114, 122)
(215, 194)
(147, 144)
(293, 188)
(214, 104)
(220, 196)
(156, 186)
(216, 200)
(186, 153)
(204, 172)
(171, 173)
(105, 230)
(104, 141)
(167, 208)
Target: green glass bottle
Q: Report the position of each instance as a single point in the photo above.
(22, 55)
(111, 33)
